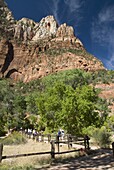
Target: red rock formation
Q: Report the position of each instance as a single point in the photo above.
(38, 49)
(21, 62)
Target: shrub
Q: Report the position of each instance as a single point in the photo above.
(14, 139)
(102, 137)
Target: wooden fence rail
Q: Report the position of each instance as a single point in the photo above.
(28, 154)
(52, 153)
(69, 141)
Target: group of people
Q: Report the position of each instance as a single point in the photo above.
(34, 132)
(31, 132)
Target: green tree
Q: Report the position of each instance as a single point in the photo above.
(49, 105)
(18, 118)
(31, 103)
(78, 109)
(6, 104)
(69, 108)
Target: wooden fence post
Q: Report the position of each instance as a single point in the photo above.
(113, 148)
(52, 149)
(69, 141)
(1, 149)
(57, 140)
(88, 143)
(49, 138)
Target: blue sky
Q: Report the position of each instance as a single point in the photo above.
(92, 20)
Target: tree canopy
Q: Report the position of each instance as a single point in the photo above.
(66, 100)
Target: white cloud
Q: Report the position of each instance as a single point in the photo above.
(74, 5)
(74, 11)
(102, 32)
(110, 61)
(55, 9)
(70, 11)
(107, 14)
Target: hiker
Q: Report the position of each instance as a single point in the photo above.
(34, 133)
(86, 141)
(59, 133)
(29, 132)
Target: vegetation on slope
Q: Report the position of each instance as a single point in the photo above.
(64, 100)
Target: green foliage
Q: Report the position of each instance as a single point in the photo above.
(78, 109)
(102, 137)
(69, 77)
(103, 110)
(103, 76)
(71, 109)
(31, 103)
(55, 52)
(109, 123)
(64, 99)
(6, 103)
(88, 130)
(14, 138)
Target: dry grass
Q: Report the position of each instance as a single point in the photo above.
(30, 147)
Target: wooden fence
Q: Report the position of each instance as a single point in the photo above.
(53, 140)
(67, 139)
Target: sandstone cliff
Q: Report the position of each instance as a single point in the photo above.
(30, 50)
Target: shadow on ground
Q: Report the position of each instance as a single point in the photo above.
(101, 159)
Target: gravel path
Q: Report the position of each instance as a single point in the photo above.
(100, 160)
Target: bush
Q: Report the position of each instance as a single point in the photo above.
(14, 139)
(102, 137)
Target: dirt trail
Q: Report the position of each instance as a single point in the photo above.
(100, 160)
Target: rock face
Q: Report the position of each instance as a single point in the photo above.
(32, 50)
(47, 27)
(6, 20)
(23, 29)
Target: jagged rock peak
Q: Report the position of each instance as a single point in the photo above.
(26, 29)
(65, 31)
(31, 50)
(47, 27)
